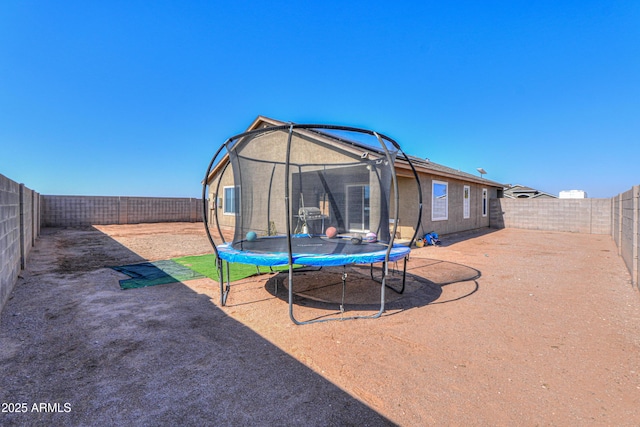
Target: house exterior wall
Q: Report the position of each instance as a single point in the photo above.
(305, 150)
(216, 199)
(408, 212)
(409, 206)
(269, 148)
(455, 221)
(268, 182)
(272, 148)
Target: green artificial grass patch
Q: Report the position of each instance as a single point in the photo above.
(185, 268)
(206, 265)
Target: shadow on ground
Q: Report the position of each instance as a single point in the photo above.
(103, 356)
(323, 288)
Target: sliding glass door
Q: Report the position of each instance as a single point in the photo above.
(358, 207)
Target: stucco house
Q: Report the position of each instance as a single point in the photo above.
(452, 200)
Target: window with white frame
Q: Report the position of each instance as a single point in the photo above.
(485, 207)
(466, 202)
(439, 201)
(231, 200)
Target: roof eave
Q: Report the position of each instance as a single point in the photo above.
(402, 164)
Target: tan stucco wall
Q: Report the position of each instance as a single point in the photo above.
(455, 221)
(272, 148)
(265, 182)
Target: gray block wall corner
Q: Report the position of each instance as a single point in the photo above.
(19, 228)
(627, 230)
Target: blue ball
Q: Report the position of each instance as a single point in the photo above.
(251, 236)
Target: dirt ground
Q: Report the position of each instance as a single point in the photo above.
(499, 327)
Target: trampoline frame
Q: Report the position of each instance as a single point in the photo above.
(224, 290)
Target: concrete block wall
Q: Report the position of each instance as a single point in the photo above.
(19, 228)
(626, 248)
(616, 230)
(75, 211)
(635, 271)
(601, 213)
(626, 230)
(591, 216)
(140, 209)
(9, 236)
(29, 221)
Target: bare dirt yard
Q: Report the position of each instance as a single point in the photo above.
(498, 327)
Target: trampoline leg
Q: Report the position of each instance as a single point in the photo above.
(224, 291)
(404, 273)
(383, 285)
(220, 279)
(404, 276)
(344, 288)
(291, 316)
(372, 274)
(344, 284)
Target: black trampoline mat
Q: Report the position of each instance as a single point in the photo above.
(316, 245)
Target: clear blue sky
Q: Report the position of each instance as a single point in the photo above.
(133, 97)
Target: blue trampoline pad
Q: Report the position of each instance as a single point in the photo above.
(317, 251)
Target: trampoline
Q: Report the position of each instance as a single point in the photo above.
(307, 195)
(313, 251)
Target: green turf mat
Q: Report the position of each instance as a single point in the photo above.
(184, 268)
(155, 273)
(206, 265)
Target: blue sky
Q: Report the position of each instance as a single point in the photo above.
(132, 98)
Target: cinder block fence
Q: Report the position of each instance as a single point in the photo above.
(625, 220)
(74, 211)
(590, 216)
(23, 211)
(19, 228)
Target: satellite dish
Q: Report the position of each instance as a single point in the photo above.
(482, 172)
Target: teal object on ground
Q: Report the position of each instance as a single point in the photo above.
(155, 273)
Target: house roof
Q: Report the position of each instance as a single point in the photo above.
(402, 166)
(265, 122)
(517, 191)
(427, 166)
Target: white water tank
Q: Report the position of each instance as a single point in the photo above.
(573, 194)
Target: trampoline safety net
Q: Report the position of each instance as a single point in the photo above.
(306, 181)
